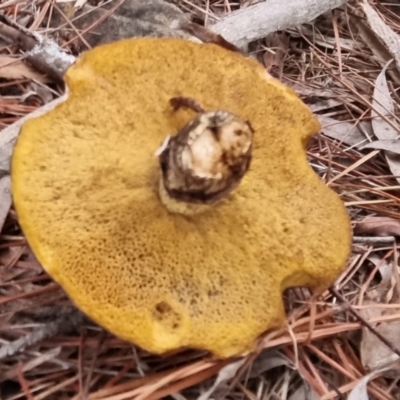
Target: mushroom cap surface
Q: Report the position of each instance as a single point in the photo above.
(86, 190)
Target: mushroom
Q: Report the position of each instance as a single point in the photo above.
(170, 195)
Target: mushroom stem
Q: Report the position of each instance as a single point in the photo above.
(205, 160)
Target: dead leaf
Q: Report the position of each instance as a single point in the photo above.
(345, 132)
(39, 90)
(267, 360)
(304, 392)
(383, 105)
(378, 226)
(386, 289)
(80, 3)
(385, 268)
(374, 353)
(270, 359)
(325, 104)
(372, 41)
(14, 68)
(387, 36)
(5, 198)
(394, 164)
(359, 392)
(9, 135)
(392, 145)
(224, 375)
(7, 140)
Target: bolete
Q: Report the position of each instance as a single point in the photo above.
(170, 195)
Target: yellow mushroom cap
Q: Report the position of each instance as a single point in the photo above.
(86, 189)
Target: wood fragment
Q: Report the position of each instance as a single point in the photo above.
(255, 22)
(5, 197)
(373, 240)
(63, 324)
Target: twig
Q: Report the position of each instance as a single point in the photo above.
(373, 239)
(64, 324)
(363, 322)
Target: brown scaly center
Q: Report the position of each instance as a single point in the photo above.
(208, 157)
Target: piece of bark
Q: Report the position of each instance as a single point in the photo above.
(255, 22)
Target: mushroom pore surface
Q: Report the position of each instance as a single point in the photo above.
(86, 190)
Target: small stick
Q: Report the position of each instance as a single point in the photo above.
(64, 324)
(364, 322)
(373, 239)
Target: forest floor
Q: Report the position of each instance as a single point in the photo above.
(345, 66)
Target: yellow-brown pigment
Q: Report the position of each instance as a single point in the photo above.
(86, 190)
